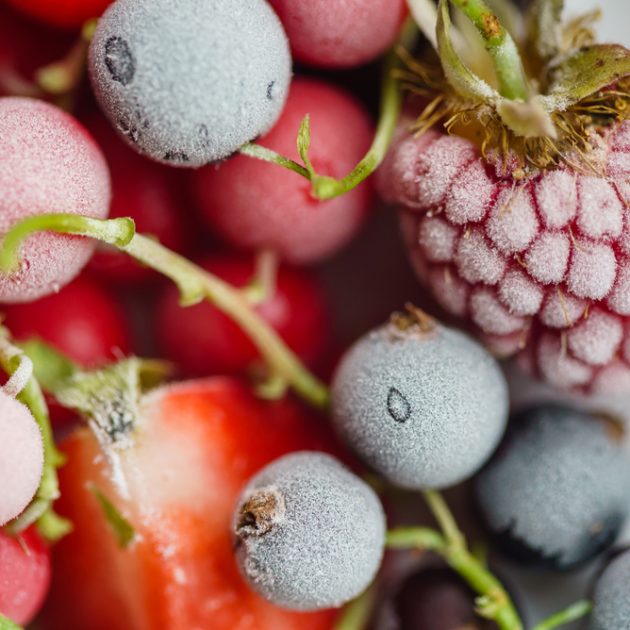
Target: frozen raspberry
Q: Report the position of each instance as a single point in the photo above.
(540, 265)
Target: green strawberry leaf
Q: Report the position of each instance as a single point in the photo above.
(591, 69)
(461, 78)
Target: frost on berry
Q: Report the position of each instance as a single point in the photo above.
(540, 264)
(512, 224)
(490, 315)
(476, 259)
(592, 271)
(595, 340)
(519, 293)
(548, 257)
(600, 210)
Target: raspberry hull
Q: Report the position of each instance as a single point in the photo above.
(541, 265)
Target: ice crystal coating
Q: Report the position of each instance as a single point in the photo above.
(48, 163)
(454, 392)
(557, 489)
(611, 598)
(21, 457)
(309, 533)
(189, 82)
(527, 259)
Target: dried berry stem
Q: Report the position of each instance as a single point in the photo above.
(40, 509)
(194, 284)
(500, 45)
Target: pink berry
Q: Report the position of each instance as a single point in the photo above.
(254, 204)
(340, 33)
(202, 340)
(24, 575)
(21, 457)
(48, 163)
(540, 265)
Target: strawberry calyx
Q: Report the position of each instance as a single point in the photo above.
(538, 97)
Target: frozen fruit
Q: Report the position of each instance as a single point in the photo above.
(65, 13)
(556, 492)
(202, 340)
(254, 204)
(24, 574)
(309, 533)
(48, 163)
(422, 404)
(193, 448)
(188, 83)
(611, 597)
(83, 320)
(340, 33)
(21, 457)
(518, 221)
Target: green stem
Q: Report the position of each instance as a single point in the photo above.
(194, 283)
(356, 614)
(39, 510)
(572, 613)
(325, 187)
(501, 46)
(7, 624)
(494, 602)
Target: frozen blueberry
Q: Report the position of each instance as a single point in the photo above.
(189, 82)
(309, 533)
(557, 491)
(422, 404)
(611, 599)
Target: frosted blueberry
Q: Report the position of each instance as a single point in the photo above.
(309, 533)
(191, 81)
(422, 404)
(611, 598)
(557, 491)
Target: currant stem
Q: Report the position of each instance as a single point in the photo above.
(499, 43)
(325, 187)
(40, 509)
(356, 614)
(194, 283)
(574, 612)
(494, 602)
(7, 624)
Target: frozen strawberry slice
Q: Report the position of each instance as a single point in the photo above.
(194, 446)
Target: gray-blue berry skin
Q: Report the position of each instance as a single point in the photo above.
(611, 598)
(558, 490)
(309, 533)
(188, 82)
(424, 407)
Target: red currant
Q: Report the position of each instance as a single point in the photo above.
(65, 13)
(255, 204)
(83, 321)
(24, 575)
(202, 340)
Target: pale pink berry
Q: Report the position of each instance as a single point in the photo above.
(340, 33)
(540, 265)
(48, 163)
(21, 457)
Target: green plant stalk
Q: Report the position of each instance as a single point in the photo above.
(572, 613)
(194, 283)
(51, 526)
(357, 613)
(499, 43)
(7, 624)
(325, 187)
